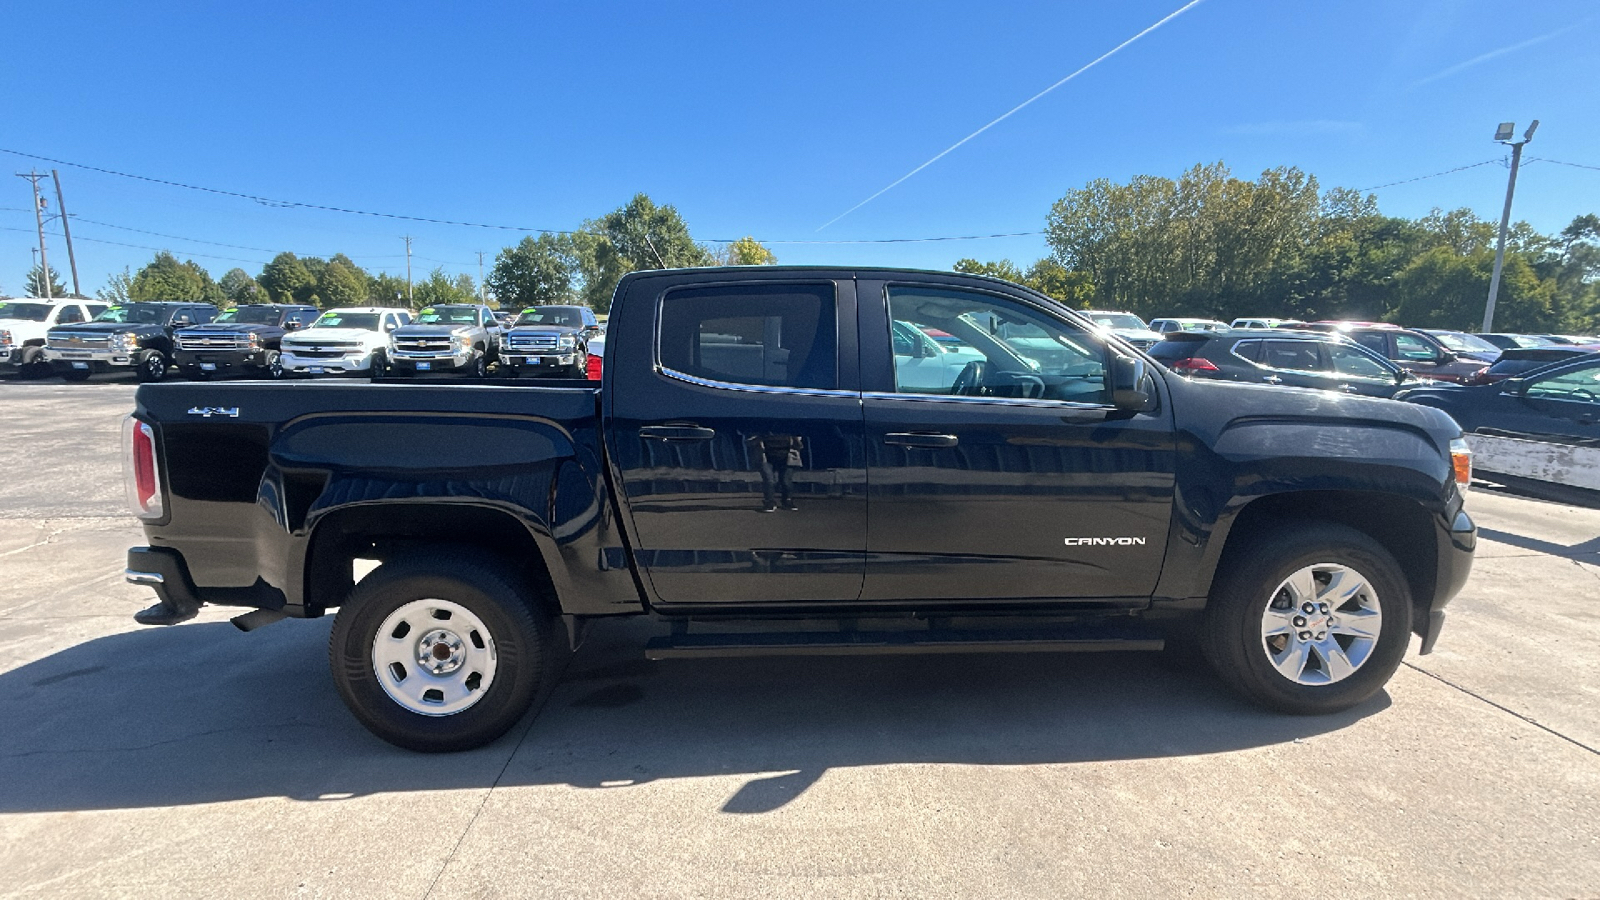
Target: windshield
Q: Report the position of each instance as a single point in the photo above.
(247, 316)
(1119, 320)
(363, 321)
(136, 313)
(448, 315)
(27, 312)
(559, 316)
(1465, 343)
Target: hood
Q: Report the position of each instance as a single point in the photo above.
(330, 335)
(543, 329)
(108, 327)
(227, 328)
(1138, 334)
(1205, 406)
(432, 330)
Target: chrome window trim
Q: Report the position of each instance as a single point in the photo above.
(992, 401)
(751, 388)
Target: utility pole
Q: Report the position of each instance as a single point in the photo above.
(1503, 135)
(61, 207)
(38, 220)
(483, 296)
(408, 270)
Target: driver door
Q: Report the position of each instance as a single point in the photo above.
(984, 486)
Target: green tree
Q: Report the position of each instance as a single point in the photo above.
(439, 288)
(384, 289)
(35, 284)
(1052, 279)
(287, 280)
(535, 272)
(746, 251)
(638, 235)
(164, 279)
(1444, 289)
(1004, 269)
(239, 287)
(118, 288)
(341, 283)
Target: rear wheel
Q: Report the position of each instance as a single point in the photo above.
(1313, 618)
(151, 366)
(440, 652)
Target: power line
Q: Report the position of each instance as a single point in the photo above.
(1434, 175)
(1560, 163)
(254, 262)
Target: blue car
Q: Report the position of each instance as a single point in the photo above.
(1557, 401)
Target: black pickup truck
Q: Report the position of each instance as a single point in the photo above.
(244, 339)
(764, 446)
(135, 336)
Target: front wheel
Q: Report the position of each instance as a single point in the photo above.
(480, 367)
(273, 366)
(151, 366)
(379, 367)
(439, 652)
(1309, 619)
(34, 365)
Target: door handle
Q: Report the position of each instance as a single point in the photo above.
(1273, 379)
(920, 439)
(677, 433)
(1348, 389)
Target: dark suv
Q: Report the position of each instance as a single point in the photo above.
(243, 339)
(1277, 356)
(135, 336)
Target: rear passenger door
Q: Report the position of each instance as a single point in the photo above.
(1295, 364)
(1359, 372)
(740, 445)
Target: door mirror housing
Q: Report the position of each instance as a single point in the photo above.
(1133, 388)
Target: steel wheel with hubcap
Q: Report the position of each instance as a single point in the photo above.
(441, 650)
(480, 367)
(1309, 617)
(34, 365)
(273, 367)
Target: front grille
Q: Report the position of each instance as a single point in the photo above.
(533, 342)
(213, 342)
(322, 351)
(424, 345)
(70, 341)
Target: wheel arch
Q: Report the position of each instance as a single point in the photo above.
(389, 530)
(1404, 527)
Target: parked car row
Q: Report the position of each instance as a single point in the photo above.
(76, 339)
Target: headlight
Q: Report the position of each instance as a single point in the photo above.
(5, 338)
(254, 339)
(1461, 462)
(462, 342)
(567, 342)
(126, 340)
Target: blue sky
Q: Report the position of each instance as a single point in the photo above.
(761, 119)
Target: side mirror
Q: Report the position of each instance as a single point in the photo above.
(1133, 388)
(293, 325)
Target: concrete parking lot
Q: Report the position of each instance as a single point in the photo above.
(201, 761)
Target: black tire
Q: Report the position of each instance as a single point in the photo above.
(151, 366)
(580, 368)
(379, 367)
(1232, 631)
(76, 374)
(479, 367)
(34, 365)
(486, 588)
(272, 368)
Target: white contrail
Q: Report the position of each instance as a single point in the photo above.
(1098, 60)
(1513, 48)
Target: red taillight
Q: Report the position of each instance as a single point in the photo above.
(592, 370)
(141, 474)
(1194, 365)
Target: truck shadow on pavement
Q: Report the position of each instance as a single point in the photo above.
(201, 713)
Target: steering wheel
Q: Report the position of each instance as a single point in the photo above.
(1586, 396)
(970, 381)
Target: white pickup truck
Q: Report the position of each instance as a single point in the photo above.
(23, 324)
(347, 341)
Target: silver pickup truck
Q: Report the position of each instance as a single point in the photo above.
(447, 338)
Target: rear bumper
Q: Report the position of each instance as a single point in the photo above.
(1457, 541)
(165, 572)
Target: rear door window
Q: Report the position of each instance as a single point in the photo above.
(1249, 351)
(1300, 356)
(1377, 343)
(1414, 349)
(783, 335)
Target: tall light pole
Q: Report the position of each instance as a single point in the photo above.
(1503, 134)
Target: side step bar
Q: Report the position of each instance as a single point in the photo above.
(863, 643)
